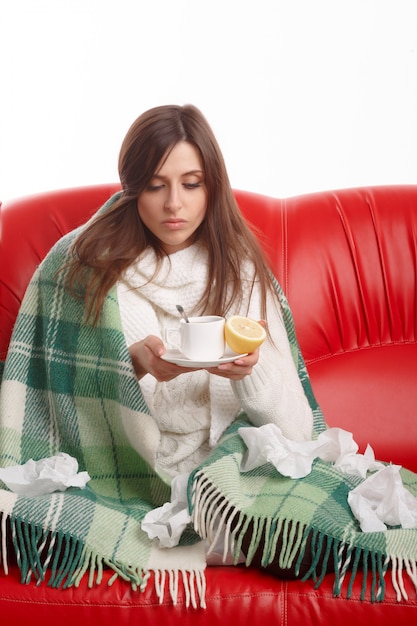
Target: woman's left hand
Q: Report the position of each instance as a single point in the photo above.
(236, 370)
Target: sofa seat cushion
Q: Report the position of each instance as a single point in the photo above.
(234, 595)
(356, 394)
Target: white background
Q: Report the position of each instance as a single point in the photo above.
(303, 95)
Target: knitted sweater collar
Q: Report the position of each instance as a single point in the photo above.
(182, 274)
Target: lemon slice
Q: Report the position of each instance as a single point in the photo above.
(243, 334)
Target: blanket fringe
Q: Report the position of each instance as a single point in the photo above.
(397, 569)
(61, 561)
(3, 544)
(193, 582)
(213, 517)
(353, 561)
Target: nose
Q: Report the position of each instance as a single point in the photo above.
(173, 199)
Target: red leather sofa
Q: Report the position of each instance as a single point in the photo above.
(347, 261)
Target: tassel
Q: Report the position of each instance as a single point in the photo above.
(365, 573)
(201, 585)
(84, 562)
(50, 552)
(173, 585)
(228, 534)
(345, 561)
(21, 553)
(29, 551)
(336, 557)
(382, 569)
(3, 546)
(354, 572)
(401, 579)
(284, 544)
(221, 526)
(186, 588)
(239, 534)
(374, 577)
(193, 582)
(214, 512)
(192, 590)
(397, 578)
(67, 560)
(293, 540)
(54, 566)
(202, 488)
(329, 543)
(145, 575)
(266, 553)
(194, 585)
(258, 526)
(297, 539)
(311, 573)
(234, 534)
(76, 555)
(204, 494)
(306, 533)
(411, 571)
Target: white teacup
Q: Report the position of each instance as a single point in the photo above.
(200, 339)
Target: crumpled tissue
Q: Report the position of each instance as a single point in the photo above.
(36, 478)
(267, 444)
(382, 499)
(379, 500)
(166, 523)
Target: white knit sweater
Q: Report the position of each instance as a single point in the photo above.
(193, 410)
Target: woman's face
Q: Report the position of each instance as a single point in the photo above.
(174, 203)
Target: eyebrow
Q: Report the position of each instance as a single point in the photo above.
(190, 173)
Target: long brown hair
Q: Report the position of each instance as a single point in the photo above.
(115, 238)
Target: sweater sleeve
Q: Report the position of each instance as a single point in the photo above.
(273, 393)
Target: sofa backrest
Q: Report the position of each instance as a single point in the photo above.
(29, 227)
(347, 261)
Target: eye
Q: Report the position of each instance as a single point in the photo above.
(192, 185)
(154, 187)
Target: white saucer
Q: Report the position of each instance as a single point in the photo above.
(177, 357)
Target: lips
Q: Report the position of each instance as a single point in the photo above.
(174, 224)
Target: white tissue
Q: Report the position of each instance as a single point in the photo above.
(267, 444)
(166, 523)
(35, 478)
(383, 500)
(378, 501)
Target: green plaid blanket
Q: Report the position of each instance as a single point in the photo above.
(70, 387)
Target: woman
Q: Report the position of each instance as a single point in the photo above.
(85, 361)
(84, 376)
(175, 235)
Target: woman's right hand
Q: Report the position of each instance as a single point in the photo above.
(146, 359)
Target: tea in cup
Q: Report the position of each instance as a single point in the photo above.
(200, 339)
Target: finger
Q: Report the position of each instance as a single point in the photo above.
(155, 345)
(249, 360)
